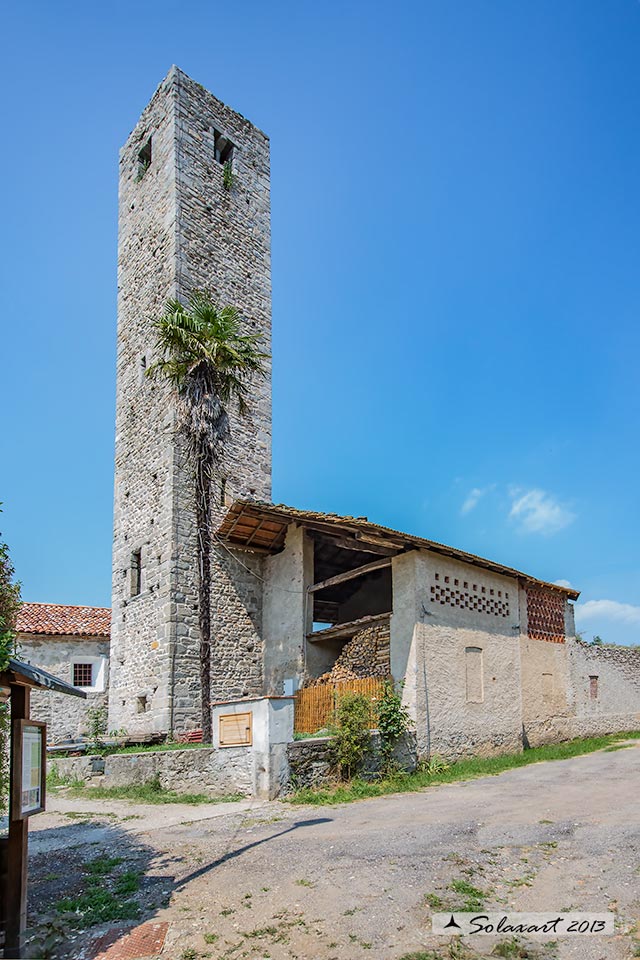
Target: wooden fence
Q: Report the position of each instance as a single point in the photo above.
(315, 706)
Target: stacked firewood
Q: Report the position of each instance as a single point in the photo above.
(365, 655)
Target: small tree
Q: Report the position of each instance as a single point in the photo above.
(351, 735)
(209, 363)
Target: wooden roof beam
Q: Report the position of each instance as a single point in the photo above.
(350, 574)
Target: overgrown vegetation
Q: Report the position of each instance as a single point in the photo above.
(393, 724)
(351, 739)
(9, 606)
(149, 792)
(468, 769)
(228, 178)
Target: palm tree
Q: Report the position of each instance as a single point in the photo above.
(209, 363)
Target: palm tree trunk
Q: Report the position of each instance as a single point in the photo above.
(203, 523)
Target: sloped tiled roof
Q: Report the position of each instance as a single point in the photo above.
(57, 619)
(254, 523)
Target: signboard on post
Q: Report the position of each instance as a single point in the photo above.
(29, 768)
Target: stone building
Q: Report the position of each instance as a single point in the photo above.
(487, 654)
(72, 643)
(183, 225)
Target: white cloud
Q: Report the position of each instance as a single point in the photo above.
(474, 497)
(563, 583)
(472, 500)
(607, 610)
(538, 512)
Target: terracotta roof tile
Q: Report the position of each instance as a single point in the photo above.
(255, 523)
(57, 619)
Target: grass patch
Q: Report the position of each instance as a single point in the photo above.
(157, 748)
(149, 792)
(474, 898)
(468, 769)
(105, 897)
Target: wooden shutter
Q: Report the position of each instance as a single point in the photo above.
(235, 730)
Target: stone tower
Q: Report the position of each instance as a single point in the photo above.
(184, 226)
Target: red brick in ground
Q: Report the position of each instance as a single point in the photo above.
(146, 940)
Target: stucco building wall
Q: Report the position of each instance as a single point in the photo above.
(461, 655)
(286, 616)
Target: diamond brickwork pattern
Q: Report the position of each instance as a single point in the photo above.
(545, 613)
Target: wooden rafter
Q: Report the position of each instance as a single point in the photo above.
(351, 574)
(347, 630)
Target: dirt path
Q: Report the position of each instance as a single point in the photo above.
(256, 880)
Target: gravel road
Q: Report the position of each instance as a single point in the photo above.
(270, 880)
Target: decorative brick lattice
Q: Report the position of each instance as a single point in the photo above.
(545, 613)
(453, 592)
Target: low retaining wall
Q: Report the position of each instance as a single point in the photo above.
(199, 770)
(310, 761)
(257, 767)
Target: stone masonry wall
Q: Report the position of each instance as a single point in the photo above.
(66, 716)
(199, 770)
(144, 626)
(311, 762)
(180, 230)
(612, 704)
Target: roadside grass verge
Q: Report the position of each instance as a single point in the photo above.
(468, 769)
(150, 792)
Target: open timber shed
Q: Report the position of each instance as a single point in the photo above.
(16, 683)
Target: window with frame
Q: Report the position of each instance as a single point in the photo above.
(83, 674)
(89, 673)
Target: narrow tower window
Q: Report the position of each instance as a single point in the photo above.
(136, 573)
(144, 159)
(223, 148)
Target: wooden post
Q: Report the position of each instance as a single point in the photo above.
(16, 901)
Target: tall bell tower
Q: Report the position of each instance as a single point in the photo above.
(194, 213)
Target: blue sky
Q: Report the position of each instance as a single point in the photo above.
(456, 291)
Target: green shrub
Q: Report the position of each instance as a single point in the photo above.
(351, 737)
(393, 723)
(97, 718)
